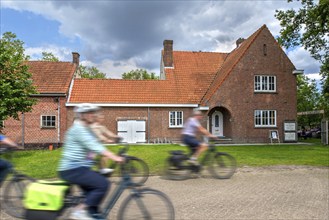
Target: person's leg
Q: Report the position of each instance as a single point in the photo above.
(5, 167)
(94, 185)
(201, 148)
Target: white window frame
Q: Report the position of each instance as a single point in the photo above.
(264, 83)
(176, 119)
(44, 125)
(265, 118)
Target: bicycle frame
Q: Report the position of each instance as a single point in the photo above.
(110, 202)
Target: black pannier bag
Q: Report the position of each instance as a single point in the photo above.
(177, 157)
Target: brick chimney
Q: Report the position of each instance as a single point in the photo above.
(76, 58)
(168, 53)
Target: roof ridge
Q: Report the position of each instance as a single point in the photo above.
(252, 38)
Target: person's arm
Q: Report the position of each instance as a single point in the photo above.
(8, 141)
(206, 132)
(112, 156)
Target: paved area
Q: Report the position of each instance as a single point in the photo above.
(284, 193)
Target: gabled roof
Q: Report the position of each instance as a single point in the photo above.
(193, 79)
(193, 71)
(51, 77)
(229, 64)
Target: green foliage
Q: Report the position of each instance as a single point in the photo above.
(49, 57)
(139, 74)
(308, 99)
(15, 80)
(309, 27)
(91, 73)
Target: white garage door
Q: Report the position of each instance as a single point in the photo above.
(132, 131)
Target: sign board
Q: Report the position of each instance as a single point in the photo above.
(290, 131)
(274, 135)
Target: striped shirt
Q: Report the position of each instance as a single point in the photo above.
(79, 144)
(191, 127)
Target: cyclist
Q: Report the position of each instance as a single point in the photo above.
(80, 146)
(105, 136)
(190, 130)
(5, 166)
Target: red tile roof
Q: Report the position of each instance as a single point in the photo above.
(230, 63)
(193, 71)
(51, 77)
(194, 78)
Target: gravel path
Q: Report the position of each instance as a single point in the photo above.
(279, 192)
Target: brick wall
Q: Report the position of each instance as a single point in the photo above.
(28, 128)
(238, 96)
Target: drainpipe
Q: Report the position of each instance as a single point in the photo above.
(148, 125)
(58, 121)
(23, 129)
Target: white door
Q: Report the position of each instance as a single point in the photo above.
(132, 131)
(217, 123)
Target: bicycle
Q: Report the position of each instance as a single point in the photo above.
(136, 167)
(13, 191)
(142, 203)
(220, 165)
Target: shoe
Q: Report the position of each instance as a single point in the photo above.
(193, 161)
(80, 215)
(105, 171)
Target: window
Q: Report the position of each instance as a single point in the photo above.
(265, 118)
(265, 83)
(48, 121)
(175, 119)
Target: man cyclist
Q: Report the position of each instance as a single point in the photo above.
(80, 146)
(5, 166)
(190, 130)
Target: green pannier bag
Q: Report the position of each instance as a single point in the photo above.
(44, 199)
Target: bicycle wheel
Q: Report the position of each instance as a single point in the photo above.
(222, 166)
(147, 204)
(174, 172)
(13, 195)
(137, 169)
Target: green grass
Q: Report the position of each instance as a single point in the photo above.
(43, 163)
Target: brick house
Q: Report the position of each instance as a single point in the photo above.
(47, 122)
(244, 94)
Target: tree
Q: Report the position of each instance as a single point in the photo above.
(308, 99)
(91, 73)
(309, 27)
(139, 74)
(48, 56)
(15, 80)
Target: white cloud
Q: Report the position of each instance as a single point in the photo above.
(61, 53)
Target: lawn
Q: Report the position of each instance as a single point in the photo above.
(43, 163)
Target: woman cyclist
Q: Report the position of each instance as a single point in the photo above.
(80, 147)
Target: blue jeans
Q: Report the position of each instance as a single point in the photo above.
(5, 167)
(93, 184)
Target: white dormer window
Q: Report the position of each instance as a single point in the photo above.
(265, 83)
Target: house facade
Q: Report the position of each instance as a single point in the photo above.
(244, 96)
(46, 124)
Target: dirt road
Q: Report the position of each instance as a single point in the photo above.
(251, 194)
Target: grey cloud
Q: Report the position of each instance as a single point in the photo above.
(135, 30)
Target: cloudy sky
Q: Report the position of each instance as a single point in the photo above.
(120, 36)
